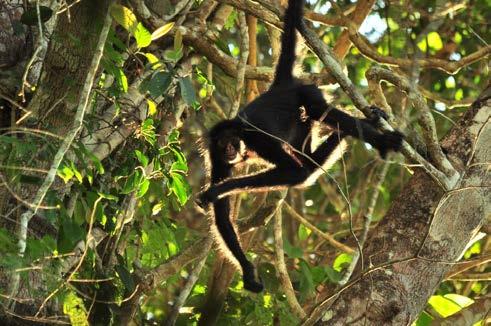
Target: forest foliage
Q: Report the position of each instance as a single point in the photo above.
(118, 233)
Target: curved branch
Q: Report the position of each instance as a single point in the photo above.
(450, 67)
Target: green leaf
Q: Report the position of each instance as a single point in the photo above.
(121, 79)
(124, 17)
(97, 163)
(131, 183)
(147, 130)
(153, 60)
(306, 280)
(157, 84)
(292, 252)
(173, 55)
(303, 232)
(161, 31)
(30, 179)
(179, 187)
(342, 261)
(187, 90)
(423, 320)
(333, 275)
(30, 16)
(318, 274)
(65, 172)
(461, 300)
(443, 306)
(142, 158)
(178, 41)
(434, 41)
(70, 233)
(143, 188)
(76, 172)
(107, 196)
(74, 307)
(142, 36)
(152, 107)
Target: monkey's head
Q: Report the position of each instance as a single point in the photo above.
(226, 142)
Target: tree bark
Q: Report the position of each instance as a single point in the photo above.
(423, 233)
(67, 63)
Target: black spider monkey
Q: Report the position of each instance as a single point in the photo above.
(278, 113)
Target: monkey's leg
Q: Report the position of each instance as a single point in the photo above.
(317, 108)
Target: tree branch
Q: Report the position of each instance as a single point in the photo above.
(285, 281)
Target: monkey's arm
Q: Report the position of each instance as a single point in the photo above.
(274, 178)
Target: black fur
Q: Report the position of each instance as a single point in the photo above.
(278, 113)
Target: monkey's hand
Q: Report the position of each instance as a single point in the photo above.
(204, 198)
(376, 114)
(389, 141)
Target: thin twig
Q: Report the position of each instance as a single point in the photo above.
(185, 291)
(329, 238)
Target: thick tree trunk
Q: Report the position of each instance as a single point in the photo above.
(66, 64)
(424, 231)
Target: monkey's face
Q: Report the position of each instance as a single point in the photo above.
(232, 149)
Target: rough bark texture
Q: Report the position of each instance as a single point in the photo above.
(423, 212)
(66, 65)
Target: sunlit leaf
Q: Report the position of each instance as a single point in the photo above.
(161, 31)
(152, 107)
(434, 41)
(153, 60)
(65, 172)
(142, 36)
(124, 17)
(459, 94)
(342, 261)
(450, 82)
(449, 304)
(74, 307)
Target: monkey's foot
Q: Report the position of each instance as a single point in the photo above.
(250, 284)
